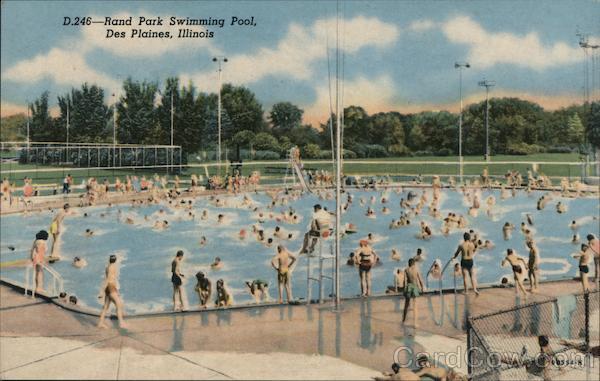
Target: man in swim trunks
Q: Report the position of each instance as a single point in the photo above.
(585, 258)
(533, 265)
(365, 258)
(467, 251)
(56, 227)
(110, 293)
(519, 266)
(413, 285)
(594, 247)
(38, 251)
(177, 280)
(282, 262)
(203, 288)
(258, 289)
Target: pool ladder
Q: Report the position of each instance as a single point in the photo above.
(440, 321)
(319, 279)
(57, 280)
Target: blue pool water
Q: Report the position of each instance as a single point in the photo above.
(146, 253)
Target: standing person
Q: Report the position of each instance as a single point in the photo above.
(585, 258)
(467, 251)
(38, 251)
(594, 247)
(319, 227)
(365, 258)
(413, 284)
(282, 262)
(519, 266)
(110, 293)
(66, 184)
(56, 227)
(176, 279)
(203, 288)
(533, 265)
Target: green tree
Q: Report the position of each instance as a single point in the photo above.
(162, 135)
(42, 127)
(243, 138)
(575, 130)
(263, 141)
(285, 116)
(88, 114)
(13, 128)
(311, 151)
(593, 126)
(242, 109)
(136, 115)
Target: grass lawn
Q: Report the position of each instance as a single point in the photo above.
(351, 167)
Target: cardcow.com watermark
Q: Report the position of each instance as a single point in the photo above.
(407, 357)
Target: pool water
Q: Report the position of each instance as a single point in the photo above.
(146, 253)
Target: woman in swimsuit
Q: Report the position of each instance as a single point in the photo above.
(110, 293)
(365, 258)
(38, 251)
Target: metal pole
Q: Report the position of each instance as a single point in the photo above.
(171, 129)
(338, 204)
(219, 120)
(28, 146)
(460, 157)
(487, 131)
(114, 130)
(67, 131)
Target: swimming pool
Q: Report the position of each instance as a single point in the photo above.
(146, 253)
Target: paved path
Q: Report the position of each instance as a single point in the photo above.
(41, 340)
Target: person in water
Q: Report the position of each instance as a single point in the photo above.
(365, 258)
(467, 252)
(110, 293)
(203, 288)
(79, 262)
(217, 264)
(259, 289)
(282, 262)
(413, 285)
(37, 256)
(177, 280)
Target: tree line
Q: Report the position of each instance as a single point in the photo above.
(143, 116)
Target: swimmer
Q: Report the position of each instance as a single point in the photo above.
(79, 262)
(202, 241)
(435, 270)
(224, 297)
(396, 256)
(89, 233)
(160, 225)
(529, 219)
(385, 210)
(507, 230)
(282, 263)
(534, 266)
(573, 225)
(398, 282)
(38, 251)
(365, 258)
(467, 252)
(242, 234)
(259, 290)
(575, 239)
(413, 285)
(350, 260)
(177, 280)
(594, 245)
(220, 219)
(56, 227)
(400, 373)
(425, 231)
(203, 288)
(217, 264)
(110, 293)
(204, 215)
(519, 266)
(585, 259)
(561, 208)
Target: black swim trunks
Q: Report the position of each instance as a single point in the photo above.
(176, 280)
(466, 264)
(517, 269)
(584, 269)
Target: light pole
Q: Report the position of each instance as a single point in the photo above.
(487, 84)
(172, 111)
(28, 146)
(114, 130)
(67, 131)
(460, 66)
(219, 60)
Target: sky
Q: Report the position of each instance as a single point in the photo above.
(394, 55)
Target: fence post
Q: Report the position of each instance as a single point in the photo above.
(586, 299)
(469, 352)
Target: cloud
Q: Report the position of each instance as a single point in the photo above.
(95, 37)
(487, 49)
(372, 94)
(9, 108)
(295, 54)
(422, 25)
(64, 67)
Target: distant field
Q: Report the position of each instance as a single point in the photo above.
(274, 172)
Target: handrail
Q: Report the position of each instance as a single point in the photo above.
(439, 321)
(57, 280)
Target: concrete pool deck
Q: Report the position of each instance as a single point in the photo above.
(39, 339)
